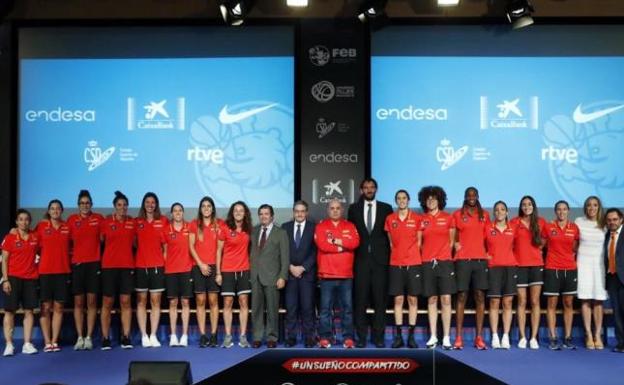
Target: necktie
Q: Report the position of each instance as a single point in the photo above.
(612, 269)
(369, 218)
(263, 238)
(298, 235)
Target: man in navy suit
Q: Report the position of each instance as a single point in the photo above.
(614, 266)
(302, 276)
(371, 263)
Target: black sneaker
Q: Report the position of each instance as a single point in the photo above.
(553, 344)
(126, 343)
(106, 344)
(567, 343)
(213, 341)
(397, 342)
(411, 342)
(203, 341)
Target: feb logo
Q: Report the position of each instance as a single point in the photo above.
(255, 141)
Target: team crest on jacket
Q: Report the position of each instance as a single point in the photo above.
(48, 231)
(141, 225)
(493, 232)
(232, 233)
(77, 223)
(425, 223)
(173, 235)
(395, 224)
(113, 227)
(18, 244)
(553, 232)
(465, 218)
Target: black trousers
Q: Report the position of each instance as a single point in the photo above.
(370, 287)
(616, 295)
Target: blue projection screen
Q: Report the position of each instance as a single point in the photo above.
(537, 112)
(204, 111)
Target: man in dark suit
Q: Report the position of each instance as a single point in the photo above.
(614, 266)
(269, 272)
(371, 263)
(301, 283)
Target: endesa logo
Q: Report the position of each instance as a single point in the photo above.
(59, 115)
(334, 157)
(412, 113)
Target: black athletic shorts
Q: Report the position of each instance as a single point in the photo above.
(179, 285)
(54, 287)
(23, 293)
(117, 281)
(235, 283)
(559, 282)
(438, 278)
(503, 281)
(471, 273)
(202, 283)
(150, 278)
(86, 278)
(405, 280)
(530, 276)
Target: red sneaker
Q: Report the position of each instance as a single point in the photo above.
(459, 343)
(479, 343)
(348, 344)
(324, 343)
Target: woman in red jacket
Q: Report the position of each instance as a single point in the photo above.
(233, 270)
(19, 281)
(528, 245)
(499, 240)
(84, 228)
(150, 266)
(178, 279)
(203, 235)
(118, 233)
(54, 272)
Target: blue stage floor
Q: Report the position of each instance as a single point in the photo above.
(517, 367)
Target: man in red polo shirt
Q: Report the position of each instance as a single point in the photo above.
(336, 240)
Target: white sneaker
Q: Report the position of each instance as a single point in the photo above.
(432, 343)
(88, 344)
(522, 344)
(446, 343)
(145, 341)
(184, 340)
(505, 341)
(9, 350)
(79, 344)
(495, 341)
(154, 341)
(533, 344)
(173, 340)
(29, 348)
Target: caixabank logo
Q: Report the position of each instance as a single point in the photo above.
(156, 114)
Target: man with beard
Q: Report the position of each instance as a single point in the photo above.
(371, 263)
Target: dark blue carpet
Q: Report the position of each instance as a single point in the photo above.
(517, 367)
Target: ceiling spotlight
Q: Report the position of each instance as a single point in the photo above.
(448, 3)
(297, 3)
(519, 13)
(235, 11)
(371, 10)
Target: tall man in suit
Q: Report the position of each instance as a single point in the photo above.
(301, 284)
(269, 272)
(371, 263)
(614, 266)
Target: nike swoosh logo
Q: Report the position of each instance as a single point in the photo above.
(581, 117)
(226, 118)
